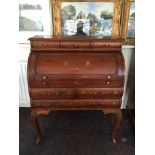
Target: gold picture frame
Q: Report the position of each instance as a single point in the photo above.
(116, 20)
(124, 23)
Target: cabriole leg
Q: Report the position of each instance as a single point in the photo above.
(35, 124)
(116, 125)
(118, 119)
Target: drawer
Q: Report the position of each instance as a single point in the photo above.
(51, 93)
(59, 83)
(100, 44)
(75, 44)
(100, 92)
(77, 103)
(76, 83)
(44, 44)
(56, 44)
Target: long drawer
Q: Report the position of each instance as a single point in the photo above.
(76, 103)
(76, 83)
(72, 93)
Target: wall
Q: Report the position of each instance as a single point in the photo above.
(129, 55)
(24, 49)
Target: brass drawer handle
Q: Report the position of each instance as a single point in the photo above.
(44, 83)
(108, 77)
(44, 77)
(107, 82)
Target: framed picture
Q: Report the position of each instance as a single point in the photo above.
(87, 17)
(34, 19)
(128, 22)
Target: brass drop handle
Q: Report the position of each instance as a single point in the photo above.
(44, 83)
(44, 77)
(108, 77)
(107, 82)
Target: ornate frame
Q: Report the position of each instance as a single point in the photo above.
(56, 8)
(124, 23)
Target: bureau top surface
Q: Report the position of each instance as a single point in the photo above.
(78, 38)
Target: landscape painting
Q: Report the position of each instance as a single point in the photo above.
(131, 22)
(30, 17)
(87, 19)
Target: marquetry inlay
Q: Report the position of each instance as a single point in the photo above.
(87, 63)
(115, 92)
(66, 63)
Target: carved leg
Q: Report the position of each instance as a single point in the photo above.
(34, 122)
(34, 114)
(118, 119)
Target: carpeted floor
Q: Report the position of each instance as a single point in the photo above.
(74, 133)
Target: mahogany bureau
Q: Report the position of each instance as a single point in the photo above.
(74, 73)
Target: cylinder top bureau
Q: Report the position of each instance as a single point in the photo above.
(75, 73)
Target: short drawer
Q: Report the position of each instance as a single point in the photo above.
(56, 44)
(100, 92)
(100, 44)
(51, 93)
(75, 44)
(44, 44)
